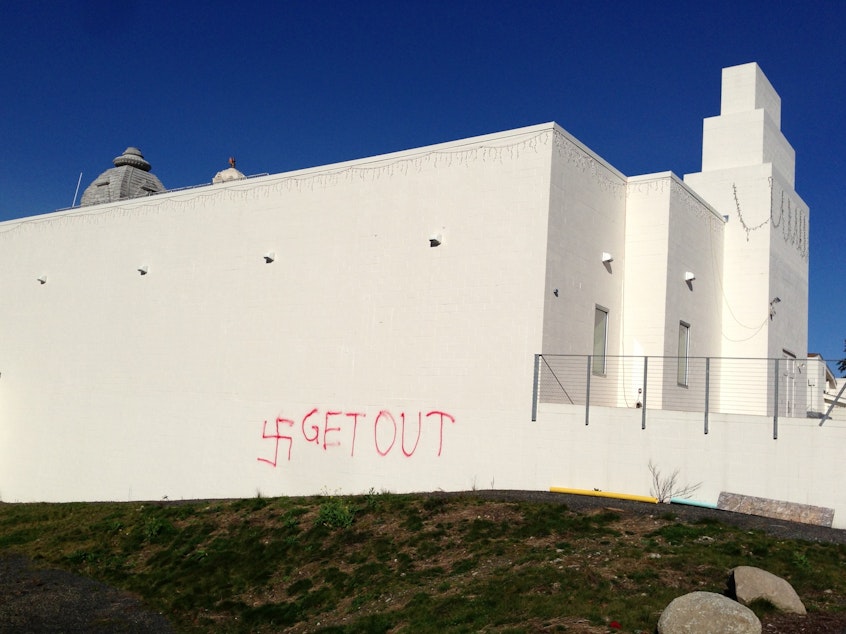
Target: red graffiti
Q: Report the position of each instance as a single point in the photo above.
(339, 427)
(402, 437)
(314, 427)
(354, 416)
(327, 429)
(277, 437)
(443, 415)
(379, 417)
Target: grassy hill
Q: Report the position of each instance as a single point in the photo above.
(417, 563)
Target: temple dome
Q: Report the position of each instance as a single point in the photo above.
(230, 174)
(129, 178)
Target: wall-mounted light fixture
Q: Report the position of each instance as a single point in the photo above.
(773, 302)
(435, 240)
(607, 257)
(42, 279)
(555, 292)
(143, 269)
(689, 276)
(269, 257)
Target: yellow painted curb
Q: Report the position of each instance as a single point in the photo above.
(606, 494)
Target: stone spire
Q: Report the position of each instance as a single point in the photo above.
(747, 131)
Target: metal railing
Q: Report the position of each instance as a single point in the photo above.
(760, 387)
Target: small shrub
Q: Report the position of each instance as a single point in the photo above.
(413, 520)
(152, 528)
(155, 527)
(665, 487)
(335, 513)
(800, 560)
(435, 504)
(289, 521)
(371, 499)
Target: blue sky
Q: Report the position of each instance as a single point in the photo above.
(288, 85)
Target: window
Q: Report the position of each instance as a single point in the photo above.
(600, 339)
(684, 348)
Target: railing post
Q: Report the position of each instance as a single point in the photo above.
(535, 388)
(775, 402)
(643, 409)
(707, 390)
(587, 391)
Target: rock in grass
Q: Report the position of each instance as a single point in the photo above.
(707, 613)
(748, 584)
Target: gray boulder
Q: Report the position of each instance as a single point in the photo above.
(748, 583)
(707, 613)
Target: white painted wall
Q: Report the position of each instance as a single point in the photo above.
(669, 229)
(647, 244)
(738, 455)
(670, 232)
(120, 386)
(586, 219)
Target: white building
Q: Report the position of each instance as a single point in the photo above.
(374, 324)
(823, 388)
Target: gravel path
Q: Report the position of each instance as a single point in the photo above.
(34, 600)
(586, 503)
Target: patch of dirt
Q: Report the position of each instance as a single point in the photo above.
(808, 624)
(36, 600)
